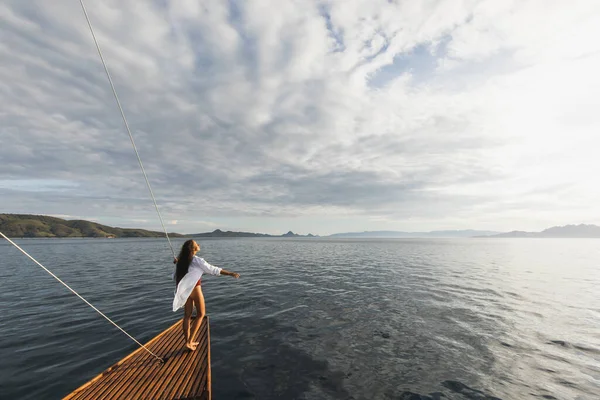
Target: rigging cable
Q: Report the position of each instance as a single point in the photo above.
(78, 295)
(147, 183)
(112, 86)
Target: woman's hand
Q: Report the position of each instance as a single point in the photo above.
(229, 273)
(175, 260)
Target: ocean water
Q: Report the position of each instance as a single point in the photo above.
(318, 318)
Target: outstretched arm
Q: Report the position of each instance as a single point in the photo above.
(211, 269)
(234, 274)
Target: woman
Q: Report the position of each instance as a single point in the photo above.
(188, 274)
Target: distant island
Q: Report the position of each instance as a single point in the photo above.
(400, 234)
(41, 226)
(567, 231)
(220, 233)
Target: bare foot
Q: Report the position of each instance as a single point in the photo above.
(191, 346)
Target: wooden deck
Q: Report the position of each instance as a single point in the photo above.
(184, 375)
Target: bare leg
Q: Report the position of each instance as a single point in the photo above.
(198, 299)
(187, 316)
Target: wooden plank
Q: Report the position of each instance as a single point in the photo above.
(188, 385)
(202, 371)
(188, 366)
(93, 387)
(203, 376)
(184, 374)
(178, 367)
(168, 371)
(208, 390)
(149, 379)
(136, 381)
(122, 382)
(114, 381)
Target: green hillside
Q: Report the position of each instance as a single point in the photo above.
(40, 226)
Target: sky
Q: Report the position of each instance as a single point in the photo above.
(312, 116)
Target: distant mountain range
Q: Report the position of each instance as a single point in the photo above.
(26, 225)
(567, 231)
(400, 234)
(220, 233)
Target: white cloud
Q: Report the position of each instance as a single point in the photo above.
(248, 110)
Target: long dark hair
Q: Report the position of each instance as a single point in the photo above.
(183, 261)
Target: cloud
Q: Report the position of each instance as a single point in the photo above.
(444, 112)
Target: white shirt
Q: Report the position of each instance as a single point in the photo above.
(198, 267)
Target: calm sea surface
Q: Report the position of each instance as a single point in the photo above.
(318, 318)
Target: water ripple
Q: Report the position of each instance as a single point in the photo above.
(319, 319)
